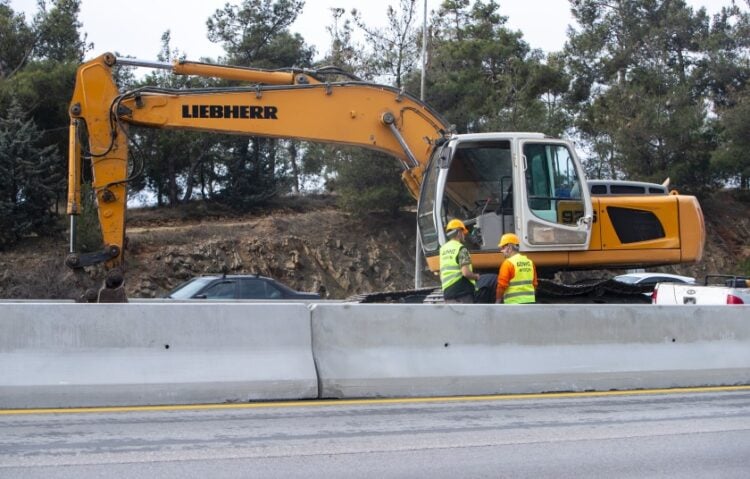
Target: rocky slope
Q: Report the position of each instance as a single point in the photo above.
(311, 246)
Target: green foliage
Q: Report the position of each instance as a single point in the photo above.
(745, 267)
(37, 66)
(322, 162)
(27, 179)
(644, 78)
(57, 31)
(484, 77)
(88, 234)
(44, 89)
(732, 158)
(16, 41)
(724, 66)
(251, 178)
(343, 53)
(256, 33)
(726, 70)
(172, 160)
(368, 181)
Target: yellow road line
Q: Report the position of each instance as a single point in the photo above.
(349, 402)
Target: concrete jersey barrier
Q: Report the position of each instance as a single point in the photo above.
(436, 350)
(68, 355)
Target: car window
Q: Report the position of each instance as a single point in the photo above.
(661, 279)
(224, 289)
(651, 279)
(189, 288)
(273, 292)
(627, 190)
(627, 279)
(599, 189)
(253, 289)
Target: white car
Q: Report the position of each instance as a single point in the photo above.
(733, 290)
(653, 278)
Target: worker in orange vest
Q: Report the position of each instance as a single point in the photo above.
(516, 280)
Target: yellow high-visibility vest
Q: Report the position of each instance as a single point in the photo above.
(521, 287)
(450, 270)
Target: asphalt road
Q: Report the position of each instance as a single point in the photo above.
(686, 434)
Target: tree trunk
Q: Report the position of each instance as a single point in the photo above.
(171, 183)
(190, 180)
(293, 162)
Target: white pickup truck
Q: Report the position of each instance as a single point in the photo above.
(717, 289)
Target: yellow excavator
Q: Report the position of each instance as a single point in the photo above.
(525, 183)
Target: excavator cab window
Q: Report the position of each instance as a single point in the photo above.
(478, 190)
(425, 210)
(552, 193)
(550, 183)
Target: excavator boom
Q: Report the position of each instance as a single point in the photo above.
(279, 104)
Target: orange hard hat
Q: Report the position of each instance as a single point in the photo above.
(509, 238)
(456, 225)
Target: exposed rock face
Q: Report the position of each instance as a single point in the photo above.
(323, 251)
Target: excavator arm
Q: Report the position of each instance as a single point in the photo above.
(280, 104)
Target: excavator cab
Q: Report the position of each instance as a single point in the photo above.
(522, 183)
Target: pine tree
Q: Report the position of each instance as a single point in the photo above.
(726, 70)
(732, 157)
(27, 179)
(256, 33)
(638, 90)
(369, 181)
(16, 41)
(484, 77)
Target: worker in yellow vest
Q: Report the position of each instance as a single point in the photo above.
(516, 280)
(457, 276)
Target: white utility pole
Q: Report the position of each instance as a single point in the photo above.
(418, 256)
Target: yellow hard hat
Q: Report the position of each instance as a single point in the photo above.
(509, 238)
(456, 225)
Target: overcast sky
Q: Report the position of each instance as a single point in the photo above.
(134, 27)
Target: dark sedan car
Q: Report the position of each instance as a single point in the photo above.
(228, 287)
